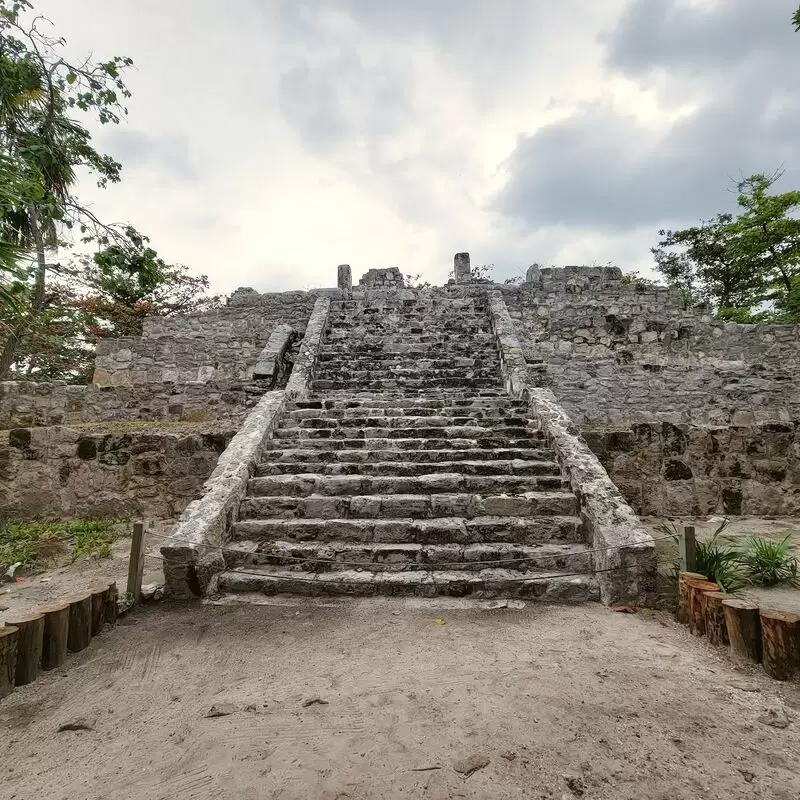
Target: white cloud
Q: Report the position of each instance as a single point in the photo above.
(270, 141)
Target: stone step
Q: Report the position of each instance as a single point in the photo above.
(338, 555)
(453, 415)
(455, 401)
(415, 384)
(343, 337)
(417, 443)
(322, 420)
(338, 432)
(432, 349)
(443, 530)
(416, 506)
(308, 484)
(546, 586)
(400, 468)
(362, 363)
(307, 455)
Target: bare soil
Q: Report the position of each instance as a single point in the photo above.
(382, 698)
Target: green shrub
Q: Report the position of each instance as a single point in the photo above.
(769, 562)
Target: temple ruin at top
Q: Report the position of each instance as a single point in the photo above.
(478, 439)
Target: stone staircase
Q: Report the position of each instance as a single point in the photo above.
(409, 470)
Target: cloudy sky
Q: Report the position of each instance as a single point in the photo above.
(270, 140)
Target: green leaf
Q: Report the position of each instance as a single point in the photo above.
(71, 78)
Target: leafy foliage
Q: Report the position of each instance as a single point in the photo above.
(769, 562)
(796, 20)
(746, 266)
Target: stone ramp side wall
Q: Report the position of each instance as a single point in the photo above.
(65, 473)
(223, 344)
(625, 563)
(193, 554)
(670, 470)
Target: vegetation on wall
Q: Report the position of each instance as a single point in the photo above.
(52, 310)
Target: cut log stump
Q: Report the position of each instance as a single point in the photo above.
(714, 618)
(780, 641)
(744, 629)
(111, 603)
(682, 611)
(80, 622)
(29, 645)
(56, 631)
(8, 659)
(696, 588)
(99, 601)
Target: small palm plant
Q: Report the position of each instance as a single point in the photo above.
(769, 562)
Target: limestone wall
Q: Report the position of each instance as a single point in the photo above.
(665, 469)
(28, 404)
(66, 473)
(615, 352)
(222, 344)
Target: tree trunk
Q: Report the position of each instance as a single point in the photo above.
(29, 645)
(11, 345)
(682, 611)
(744, 629)
(99, 600)
(80, 623)
(697, 621)
(56, 631)
(714, 616)
(8, 659)
(780, 637)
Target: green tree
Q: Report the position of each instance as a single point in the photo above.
(796, 20)
(745, 265)
(106, 294)
(40, 91)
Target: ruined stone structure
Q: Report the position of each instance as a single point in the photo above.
(471, 439)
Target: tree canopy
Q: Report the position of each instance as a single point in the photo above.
(50, 311)
(747, 266)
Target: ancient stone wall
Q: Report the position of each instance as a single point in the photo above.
(223, 344)
(29, 404)
(664, 469)
(64, 473)
(615, 353)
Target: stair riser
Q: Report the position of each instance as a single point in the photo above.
(406, 422)
(428, 416)
(472, 445)
(431, 557)
(404, 432)
(338, 486)
(400, 469)
(413, 406)
(554, 591)
(415, 507)
(519, 531)
(363, 456)
(411, 383)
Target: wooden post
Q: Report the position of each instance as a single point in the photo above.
(744, 629)
(682, 611)
(136, 564)
(54, 637)
(687, 545)
(780, 638)
(8, 659)
(80, 622)
(697, 621)
(714, 616)
(99, 600)
(111, 603)
(29, 645)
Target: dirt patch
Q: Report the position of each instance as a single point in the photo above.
(552, 702)
(43, 587)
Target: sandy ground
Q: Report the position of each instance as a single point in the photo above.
(563, 702)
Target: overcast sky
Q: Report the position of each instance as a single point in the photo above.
(270, 140)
